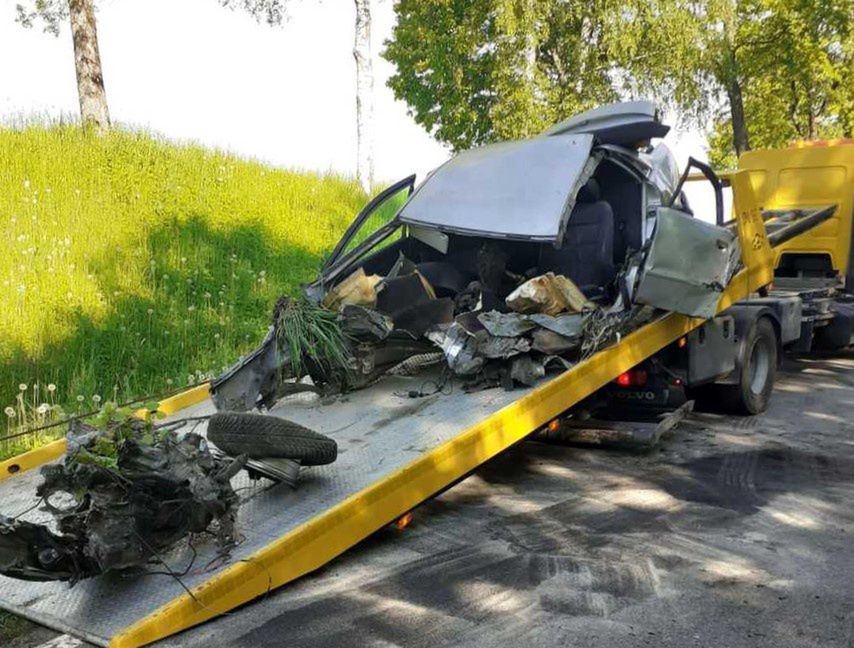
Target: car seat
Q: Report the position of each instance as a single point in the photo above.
(587, 253)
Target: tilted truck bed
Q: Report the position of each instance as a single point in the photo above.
(395, 452)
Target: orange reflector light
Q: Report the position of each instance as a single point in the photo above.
(403, 521)
(553, 425)
(683, 342)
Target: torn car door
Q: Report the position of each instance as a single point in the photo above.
(688, 265)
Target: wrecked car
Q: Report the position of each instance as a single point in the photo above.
(508, 262)
(509, 259)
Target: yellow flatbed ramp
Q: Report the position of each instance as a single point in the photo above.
(394, 453)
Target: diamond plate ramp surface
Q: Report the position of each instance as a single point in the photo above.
(378, 430)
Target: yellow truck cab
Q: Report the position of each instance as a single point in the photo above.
(816, 265)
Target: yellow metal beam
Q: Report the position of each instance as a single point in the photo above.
(32, 459)
(55, 449)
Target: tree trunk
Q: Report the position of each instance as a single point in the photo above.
(87, 63)
(364, 96)
(739, 124)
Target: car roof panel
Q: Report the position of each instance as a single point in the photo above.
(517, 190)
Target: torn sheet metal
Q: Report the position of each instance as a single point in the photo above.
(549, 294)
(526, 370)
(253, 378)
(470, 322)
(365, 323)
(500, 348)
(460, 348)
(552, 343)
(505, 324)
(467, 352)
(687, 265)
(569, 325)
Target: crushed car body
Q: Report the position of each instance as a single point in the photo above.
(511, 254)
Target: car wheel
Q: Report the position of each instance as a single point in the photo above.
(260, 437)
(758, 369)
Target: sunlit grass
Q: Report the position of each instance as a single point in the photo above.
(132, 266)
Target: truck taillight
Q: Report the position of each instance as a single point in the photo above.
(632, 378)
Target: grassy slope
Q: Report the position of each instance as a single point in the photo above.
(131, 266)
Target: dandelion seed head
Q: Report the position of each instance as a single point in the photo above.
(51, 387)
(22, 387)
(10, 412)
(96, 398)
(80, 398)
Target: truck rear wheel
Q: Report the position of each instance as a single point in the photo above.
(757, 371)
(260, 437)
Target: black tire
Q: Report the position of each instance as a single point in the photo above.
(259, 436)
(757, 372)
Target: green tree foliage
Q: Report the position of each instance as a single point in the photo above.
(797, 59)
(762, 71)
(474, 71)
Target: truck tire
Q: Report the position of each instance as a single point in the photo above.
(757, 371)
(259, 436)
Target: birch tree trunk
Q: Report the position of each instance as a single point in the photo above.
(740, 140)
(364, 96)
(87, 63)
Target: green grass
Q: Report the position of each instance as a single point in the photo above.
(132, 266)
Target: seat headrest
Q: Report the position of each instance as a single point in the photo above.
(589, 193)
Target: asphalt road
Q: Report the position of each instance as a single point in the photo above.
(734, 532)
